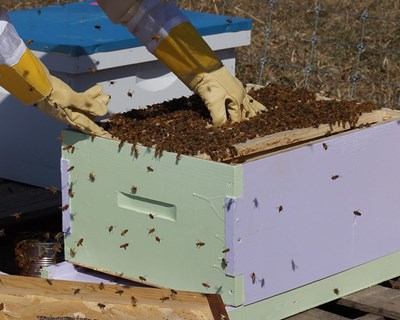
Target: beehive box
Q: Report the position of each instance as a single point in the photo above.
(275, 233)
(80, 45)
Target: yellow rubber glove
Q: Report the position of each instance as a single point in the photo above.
(30, 82)
(188, 56)
(76, 109)
(222, 93)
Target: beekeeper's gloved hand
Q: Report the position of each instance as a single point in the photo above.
(168, 34)
(30, 82)
(222, 93)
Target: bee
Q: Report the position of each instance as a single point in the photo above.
(57, 247)
(69, 148)
(178, 156)
(59, 235)
(119, 292)
(124, 246)
(134, 151)
(336, 291)
(173, 293)
(280, 208)
(158, 239)
(49, 282)
(253, 277)
(17, 215)
(97, 27)
(76, 291)
(71, 193)
(357, 213)
(120, 145)
(72, 252)
(65, 207)
(163, 299)
(143, 279)
(101, 306)
(149, 169)
(255, 201)
(335, 177)
(101, 286)
(42, 253)
(205, 285)
(110, 228)
(92, 176)
(130, 94)
(156, 37)
(80, 242)
(200, 244)
(224, 263)
(151, 231)
(133, 189)
(61, 138)
(151, 216)
(70, 168)
(325, 146)
(52, 189)
(28, 42)
(226, 250)
(124, 232)
(92, 69)
(229, 20)
(133, 301)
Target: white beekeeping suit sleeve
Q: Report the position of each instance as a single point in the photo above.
(11, 45)
(166, 32)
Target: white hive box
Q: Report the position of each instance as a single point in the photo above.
(74, 39)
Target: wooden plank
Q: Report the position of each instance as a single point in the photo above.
(316, 314)
(378, 300)
(296, 136)
(35, 298)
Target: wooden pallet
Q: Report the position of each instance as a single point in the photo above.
(375, 303)
(35, 298)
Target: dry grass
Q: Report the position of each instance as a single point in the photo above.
(334, 58)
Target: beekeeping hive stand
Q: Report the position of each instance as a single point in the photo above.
(274, 235)
(73, 41)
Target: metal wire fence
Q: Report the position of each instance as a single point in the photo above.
(342, 48)
(345, 49)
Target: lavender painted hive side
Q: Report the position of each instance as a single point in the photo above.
(315, 211)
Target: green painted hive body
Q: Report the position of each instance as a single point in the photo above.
(274, 235)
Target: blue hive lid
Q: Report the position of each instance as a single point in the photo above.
(82, 28)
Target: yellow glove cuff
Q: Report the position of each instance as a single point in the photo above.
(186, 54)
(28, 80)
